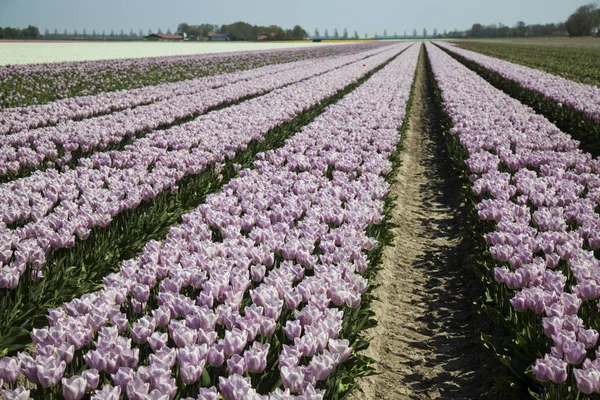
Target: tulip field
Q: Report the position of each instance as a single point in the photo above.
(210, 226)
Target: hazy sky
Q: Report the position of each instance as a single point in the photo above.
(372, 16)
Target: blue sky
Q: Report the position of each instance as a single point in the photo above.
(370, 17)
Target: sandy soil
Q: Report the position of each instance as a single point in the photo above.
(426, 342)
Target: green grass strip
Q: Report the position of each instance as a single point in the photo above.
(574, 63)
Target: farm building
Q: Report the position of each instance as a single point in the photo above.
(163, 36)
(218, 37)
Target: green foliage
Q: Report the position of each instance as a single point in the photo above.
(584, 20)
(244, 31)
(31, 32)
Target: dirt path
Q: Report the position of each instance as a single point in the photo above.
(425, 342)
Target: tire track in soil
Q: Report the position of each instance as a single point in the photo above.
(427, 339)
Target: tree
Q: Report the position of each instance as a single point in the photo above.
(477, 31)
(336, 33)
(414, 33)
(159, 30)
(434, 32)
(326, 33)
(169, 31)
(183, 28)
(298, 32)
(404, 34)
(385, 33)
(356, 35)
(583, 20)
(317, 32)
(425, 33)
(141, 33)
(345, 35)
(366, 36)
(46, 34)
(520, 28)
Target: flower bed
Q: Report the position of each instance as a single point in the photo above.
(253, 295)
(536, 195)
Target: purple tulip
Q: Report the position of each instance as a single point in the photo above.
(157, 340)
(588, 381)
(235, 341)
(589, 338)
(142, 329)
(108, 392)
(19, 393)
(208, 394)
(340, 347)
(292, 378)
(256, 357)
(550, 369)
(191, 373)
(10, 369)
(216, 356)
(293, 329)
(74, 388)
(234, 387)
(92, 379)
(51, 372)
(236, 365)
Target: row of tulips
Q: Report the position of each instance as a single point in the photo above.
(250, 296)
(18, 119)
(23, 85)
(539, 194)
(573, 107)
(62, 143)
(48, 210)
(582, 97)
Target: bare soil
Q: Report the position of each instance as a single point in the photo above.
(427, 341)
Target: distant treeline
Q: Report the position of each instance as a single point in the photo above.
(521, 29)
(31, 32)
(244, 31)
(585, 21)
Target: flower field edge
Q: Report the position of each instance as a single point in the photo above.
(55, 81)
(566, 118)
